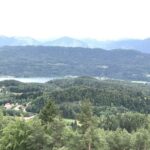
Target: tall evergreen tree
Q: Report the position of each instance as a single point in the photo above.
(88, 127)
(48, 113)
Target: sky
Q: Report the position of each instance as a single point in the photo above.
(98, 19)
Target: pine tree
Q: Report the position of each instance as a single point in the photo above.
(48, 113)
(89, 137)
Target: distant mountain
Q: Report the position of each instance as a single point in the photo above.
(23, 41)
(45, 61)
(66, 42)
(141, 45)
(136, 44)
(16, 41)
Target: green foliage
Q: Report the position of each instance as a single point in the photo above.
(119, 140)
(129, 121)
(20, 135)
(141, 139)
(89, 137)
(57, 131)
(107, 97)
(38, 139)
(14, 135)
(48, 113)
(106, 115)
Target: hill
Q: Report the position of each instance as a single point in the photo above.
(106, 96)
(70, 112)
(40, 61)
(66, 42)
(141, 45)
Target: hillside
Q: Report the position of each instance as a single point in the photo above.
(106, 96)
(40, 61)
(62, 114)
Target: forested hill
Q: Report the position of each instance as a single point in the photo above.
(60, 61)
(68, 114)
(107, 96)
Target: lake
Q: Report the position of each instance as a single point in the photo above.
(34, 79)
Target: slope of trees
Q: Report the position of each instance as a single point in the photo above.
(103, 115)
(85, 133)
(44, 61)
(107, 97)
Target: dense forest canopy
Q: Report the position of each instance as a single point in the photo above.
(81, 113)
(109, 96)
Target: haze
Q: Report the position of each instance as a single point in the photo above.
(99, 19)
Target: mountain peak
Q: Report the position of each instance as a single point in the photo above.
(67, 42)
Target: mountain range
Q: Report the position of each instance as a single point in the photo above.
(135, 44)
(46, 61)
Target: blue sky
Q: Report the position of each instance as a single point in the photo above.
(99, 19)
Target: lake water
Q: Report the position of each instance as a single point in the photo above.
(27, 80)
(34, 79)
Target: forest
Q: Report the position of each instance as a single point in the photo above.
(83, 113)
(49, 61)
